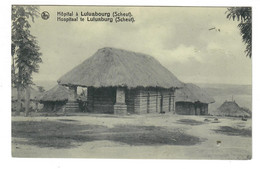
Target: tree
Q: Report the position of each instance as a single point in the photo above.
(244, 15)
(25, 52)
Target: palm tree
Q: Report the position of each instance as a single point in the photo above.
(244, 15)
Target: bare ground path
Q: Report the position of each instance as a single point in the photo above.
(136, 136)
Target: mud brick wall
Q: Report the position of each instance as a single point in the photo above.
(149, 101)
(138, 101)
(202, 108)
(133, 101)
(185, 108)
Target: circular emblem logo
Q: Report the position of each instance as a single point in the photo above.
(45, 15)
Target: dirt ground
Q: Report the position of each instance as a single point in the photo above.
(149, 136)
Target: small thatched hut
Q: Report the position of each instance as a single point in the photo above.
(231, 109)
(192, 100)
(54, 99)
(121, 81)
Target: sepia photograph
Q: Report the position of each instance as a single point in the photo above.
(131, 82)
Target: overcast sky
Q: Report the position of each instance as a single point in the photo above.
(178, 37)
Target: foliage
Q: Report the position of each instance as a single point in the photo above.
(41, 89)
(244, 15)
(24, 47)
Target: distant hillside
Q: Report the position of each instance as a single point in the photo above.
(226, 89)
(46, 84)
(242, 94)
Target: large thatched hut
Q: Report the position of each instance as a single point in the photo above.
(120, 81)
(231, 109)
(54, 99)
(192, 100)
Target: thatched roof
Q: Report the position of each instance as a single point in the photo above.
(117, 67)
(34, 94)
(57, 93)
(192, 93)
(230, 108)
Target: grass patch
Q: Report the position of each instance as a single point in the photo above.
(64, 135)
(190, 122)
(231, 131)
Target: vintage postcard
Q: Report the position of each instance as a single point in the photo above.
(131, 82)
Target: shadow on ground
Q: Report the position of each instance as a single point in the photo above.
(64, 134)
(190, 122)
(231, 131)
